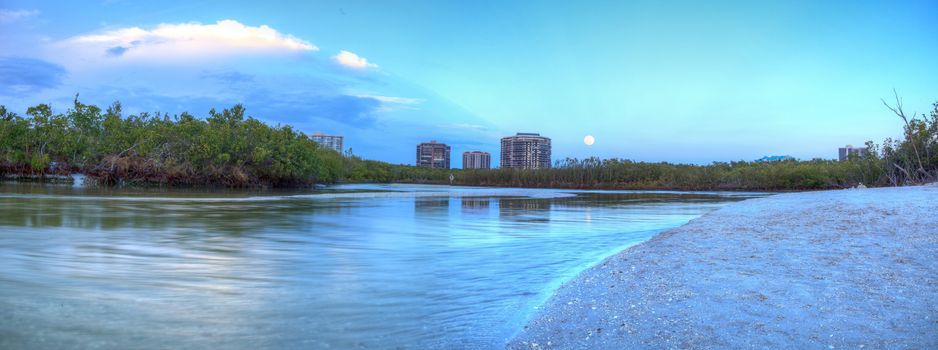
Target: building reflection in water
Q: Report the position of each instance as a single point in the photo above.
(475, 205)
(431, 208)
(431, 204)
(524, 209)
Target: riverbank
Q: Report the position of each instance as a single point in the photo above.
(832, 269)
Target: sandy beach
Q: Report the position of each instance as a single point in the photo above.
(816, 270)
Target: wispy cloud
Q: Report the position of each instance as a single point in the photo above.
(186, 41)
(392, 103)
(229, 77)
(26, 75)
(393, 99)
(10, 15)
(352, 60)
(463, 126)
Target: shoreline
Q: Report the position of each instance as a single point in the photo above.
(825, 269)
(70, 178)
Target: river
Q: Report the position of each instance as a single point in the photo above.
(346, 267)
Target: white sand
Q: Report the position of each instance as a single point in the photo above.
(851, 269)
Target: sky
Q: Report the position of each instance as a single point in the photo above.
(675, 81)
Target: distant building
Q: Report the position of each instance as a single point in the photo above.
(476, 160)
(433, 155)
(328, 141)
(844, 153)
(769, 159)
(525, 150)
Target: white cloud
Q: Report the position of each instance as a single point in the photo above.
(351, 60)
(185, 41)
(463, 126)
(392, 99)
(8, 15)
(392, 103)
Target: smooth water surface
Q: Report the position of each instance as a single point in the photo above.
(356, 266)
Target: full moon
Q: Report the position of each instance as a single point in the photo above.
(588, 140)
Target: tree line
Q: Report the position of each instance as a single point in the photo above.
(595, 173)
(227, 148)
(912, 159)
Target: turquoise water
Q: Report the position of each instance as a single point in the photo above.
(355, 266)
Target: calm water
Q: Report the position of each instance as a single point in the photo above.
(418, 267)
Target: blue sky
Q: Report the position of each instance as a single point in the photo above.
(654, 81)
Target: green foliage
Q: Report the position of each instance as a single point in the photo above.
(913, 159)
(625, 174)
(231, 149)
(910, 160)
(226, 148)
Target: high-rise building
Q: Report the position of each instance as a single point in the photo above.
(328, 141)
(844, 153)
(433, 155)
(525, 150)
(476, 160)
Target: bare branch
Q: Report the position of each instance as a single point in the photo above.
(909, 135)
